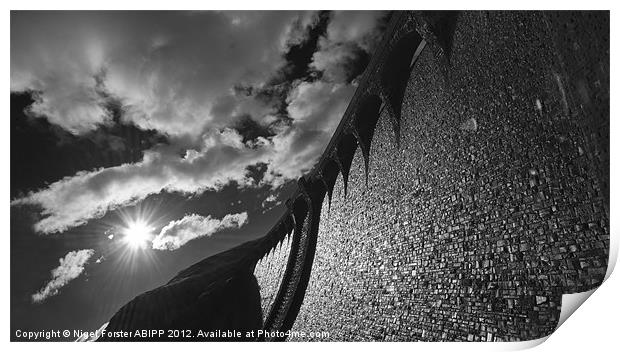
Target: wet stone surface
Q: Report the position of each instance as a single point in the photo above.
(492, 207)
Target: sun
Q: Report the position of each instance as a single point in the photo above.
(137, 234)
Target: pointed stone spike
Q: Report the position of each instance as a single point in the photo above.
(344, 155)
(394, 117)
(286, 227)
(274, 240)
(332, 169)
(329, 201)
(368, 115)
(278, 232)
(317, 192)
(270, 246)
(345, 180)
(290, 221)
(326, 186)
(365, 152)
(265, 249)
(345, 175)
(282, 232)
(330, 190)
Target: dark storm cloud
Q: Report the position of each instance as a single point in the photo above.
(191, 77)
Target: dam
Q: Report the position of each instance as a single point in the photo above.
(465, 190)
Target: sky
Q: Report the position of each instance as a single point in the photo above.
(143, 142)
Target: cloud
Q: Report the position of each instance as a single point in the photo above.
(349, 35)
(316, 109)
(168, 69)
(74, 200)
(177, 233)
(71, 266)
(358, 27)
(269, 201)
(177, 73)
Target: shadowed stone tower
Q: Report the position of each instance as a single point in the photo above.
(464, 191)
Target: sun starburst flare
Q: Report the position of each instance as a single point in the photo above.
(137, 234)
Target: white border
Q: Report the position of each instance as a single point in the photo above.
(593, 327)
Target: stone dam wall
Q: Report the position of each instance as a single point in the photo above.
(478, 198)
